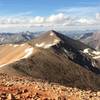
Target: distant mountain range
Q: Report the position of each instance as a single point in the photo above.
(92, 39)
(6, 38)
(20, 37)
(53, 57)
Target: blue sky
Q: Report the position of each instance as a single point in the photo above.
(42, 7)
(43, 14)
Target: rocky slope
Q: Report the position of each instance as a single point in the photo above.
(53, 58)
(25, 88)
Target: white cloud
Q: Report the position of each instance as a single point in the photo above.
(98, 16)
(51, 20)
(84, 21)
(37, 19)
(59, 20)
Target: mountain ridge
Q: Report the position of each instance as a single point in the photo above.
(59, 61)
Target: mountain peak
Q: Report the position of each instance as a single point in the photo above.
(52, 32)
(46, 40)
(52, 38)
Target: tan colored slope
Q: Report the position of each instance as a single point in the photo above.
(10, 53)
(54, 67)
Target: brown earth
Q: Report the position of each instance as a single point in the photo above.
(48, 74)
(15, 88)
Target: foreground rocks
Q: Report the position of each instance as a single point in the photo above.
(15, 88)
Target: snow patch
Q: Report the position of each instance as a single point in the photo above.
(56, 40)
(47, 45)
(10, 45)
(86, 50)
(22, 45)
(40, 45)
(29, 52)
(94, 54)
(3, 65)
(96, 57)
(51, 34)
(15, 45)
(52, 44)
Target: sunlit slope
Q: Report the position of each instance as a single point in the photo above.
(10, 53)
